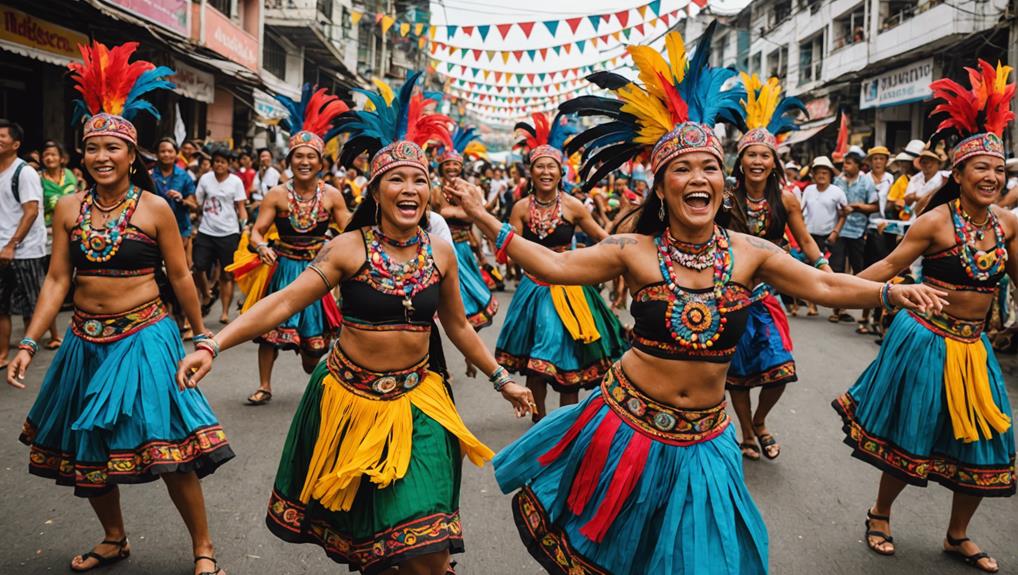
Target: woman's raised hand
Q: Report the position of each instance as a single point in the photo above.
(465, 195)
(193, 368)
(521, 398)
(17, 368)
(918, 297)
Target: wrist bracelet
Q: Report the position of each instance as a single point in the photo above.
(499, 378)
(503, 235)
(821, 262)
(200, 337)
(885, 296)
(210, 345)
(30, 345)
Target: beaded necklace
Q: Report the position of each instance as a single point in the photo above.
(405, 279)
(980, 265)
(100, 245)
(544, 221)
(303, 214)
(694, 319)
(689, 255)
(416, 239)
(758, 215)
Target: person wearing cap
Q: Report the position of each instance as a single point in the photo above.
(877, 246)
(822, 203)
(902, 166)
(849, 252)
(929, 177)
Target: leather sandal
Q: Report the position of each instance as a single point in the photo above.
(750, 450)
(885, 538)
(101, 561)
(260, 397)
(214, 563)
(971, 560)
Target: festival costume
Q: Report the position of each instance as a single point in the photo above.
(109, 410)
(370, 470)
(478, 301)
(564, 333)
(933, 404)
(303, 229)
(622, 484)
(764, 356)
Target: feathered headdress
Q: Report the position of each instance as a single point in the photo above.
(395, 131)
(544, 138)
(979, 114)
(464, 141)
(310, 122)
(674, 111)
(768, 116)
(112, 86)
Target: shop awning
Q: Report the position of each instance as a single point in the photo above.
(35, 54)
(808, 130)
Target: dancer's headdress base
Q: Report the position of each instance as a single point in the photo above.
(311, 120)
(544, 138)
(464, 141)
(769, 117)
(979, 114)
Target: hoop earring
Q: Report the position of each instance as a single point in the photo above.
(727, 202)
(134, 169)
(661, 211)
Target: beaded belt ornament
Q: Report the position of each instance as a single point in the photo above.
(662, 422)
(109, 328)
(964, 330)
(384, 386)
(303, 251)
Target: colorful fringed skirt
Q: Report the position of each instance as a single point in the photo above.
(933, 406)
(310, 330)
(370, 470)
(763, 357)
(109, 410)
(621, 484)
(565, 333)
(478, 301)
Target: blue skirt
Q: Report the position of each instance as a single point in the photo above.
(306, 331)
(109, 410)
(896, 416)
(621, 484)
(763, 357)
(534, 341)
(478, 301)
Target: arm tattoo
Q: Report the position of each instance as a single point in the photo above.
(619, 241)
(763, 244)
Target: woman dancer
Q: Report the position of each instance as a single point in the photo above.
(933, 404)
(371, 468)
(563, 335)
(645, 476)
(478, 301)
(109, 410)
(302, 211)
(764, 207)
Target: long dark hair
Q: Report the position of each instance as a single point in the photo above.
(736, 219)
(649, 224)
(139, 175)
(366, 213)
(948, 192)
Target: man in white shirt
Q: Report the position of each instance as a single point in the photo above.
(822, 205)
(221, 200)
(22, 235)
(267, 176)
(929, 179)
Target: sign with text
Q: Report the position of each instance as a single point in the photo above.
(193, 83)
(170, 14)
(899, 86)
(230, 40)
(20, 28)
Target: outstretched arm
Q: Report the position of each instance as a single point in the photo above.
(916, 242)
(797, 225)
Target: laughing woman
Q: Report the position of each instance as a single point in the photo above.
(645, 475)
(371, 468)
(933, 405)
(302, 210)
(109, 411)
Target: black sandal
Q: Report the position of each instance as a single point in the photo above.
(102, 561)
(214, 563)
(767, 440)
(875, 533)
(260, 397)
(971, 560)
(748, 447)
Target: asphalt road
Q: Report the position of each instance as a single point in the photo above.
(813, 497)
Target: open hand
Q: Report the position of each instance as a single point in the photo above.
(919, 297)
(267, 255)
(17, 368)
(521, 398)
(193, 368)
(466, 195)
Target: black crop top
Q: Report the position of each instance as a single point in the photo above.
(286, 230)
(137, 255)
(652, 335)
(944, 269)
(560, 237)
(365, 306)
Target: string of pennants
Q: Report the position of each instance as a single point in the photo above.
(534, 79)
(523, 92)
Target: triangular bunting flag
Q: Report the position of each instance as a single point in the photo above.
(468, 30)
(483, 31)
(593, 41)
(541, 76)
(387, 22)
(623, 17)
(477, 54)
(503, 29)
(655, 7)
(531, 54)
(639, 28)
(595, 21)
(666, 19)
(567, 48)
(527, 28)
(490, 54)
(421, 41)
(617, 36)
(574, 23)
(518, 54)
(450, 31)
(580, 44)
(418, 29)
(642, 10)
(464, 52)
(557, 49)
(498, 77)
(355, 17)
(505, 57)
(431, 32)
(552, 26)
(530, 77)
(544, 53)
(404, 29)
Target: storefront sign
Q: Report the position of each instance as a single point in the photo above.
(818, 108)
(31, 32)
(193, 83)
(267, 108)
(170, 14)
(900, 86)
(225, 37)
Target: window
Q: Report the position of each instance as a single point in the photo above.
(719, 51)
(812, 5)
(325, 9)
(777, 63)
(274, 57)
(811, 59)
(895, 12)
(782, 10)
(756, 64)
(346, 27)
(225, 7)
(850, 28)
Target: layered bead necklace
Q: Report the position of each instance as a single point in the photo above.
(405, 279)
(543, 221)
(101, 244)
(304, 213)
(694, 319)
(758, 215)
(980, 265)
(689, 255)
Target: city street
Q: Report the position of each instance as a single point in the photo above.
(813, 497)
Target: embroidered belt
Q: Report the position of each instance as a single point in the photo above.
(112, 327)
(965, 330)
(960, 287)
(114, 273)
(299, 251)
(460, 234)
(662, 422)
(384, 386)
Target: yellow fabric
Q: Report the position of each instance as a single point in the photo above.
(969, 399)
(253, 283)
(574, 311)
(360, 437)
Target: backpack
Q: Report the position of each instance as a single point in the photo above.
(15, 180)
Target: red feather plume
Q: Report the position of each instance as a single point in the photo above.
(423, 128)
(677, 107)
(107, 76)
(989, 95)
(321, 110)
(542, 130)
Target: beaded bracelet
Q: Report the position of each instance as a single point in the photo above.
(210, 345)
(30, 345)
(503, 235)
(499, 378)
(821, 262)
(502, 253)
(885, 296)
(200, 337)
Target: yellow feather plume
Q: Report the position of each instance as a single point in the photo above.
(650, 63)
(655, 121)
(385, 90)
(676, 54)
(1002, 74)
(761, 100)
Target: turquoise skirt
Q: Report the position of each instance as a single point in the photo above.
(620, 484)
(896, 417)
(478, 301)
(308, 331)
(763, 357)
(534, 341)
(109, 410)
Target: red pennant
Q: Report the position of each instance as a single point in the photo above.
(566, 48)
(666, 19)
(503, 29)
(468, 30)
(531, 78)
(606, 17)
(574, 23)
(477, 54)
(544, 53)
(639, 28)
(518, 54)
(623, 17)
(700, 3)
(527, 28)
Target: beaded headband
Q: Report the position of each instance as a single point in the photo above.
(398, 154)
(545, 151)
(450, 156)
(978, 145)
(104, 124)
(758, 136)
(308, 140)
(685, 138)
